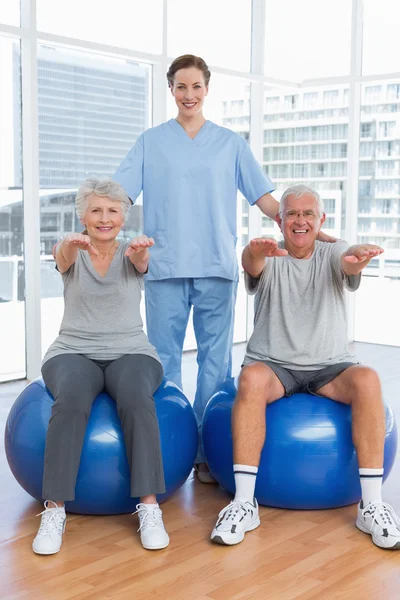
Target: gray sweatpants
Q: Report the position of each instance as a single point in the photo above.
(75, 381)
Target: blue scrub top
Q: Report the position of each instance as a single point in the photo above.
(189, 196)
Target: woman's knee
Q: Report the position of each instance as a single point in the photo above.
(73, 378)
(132, 376)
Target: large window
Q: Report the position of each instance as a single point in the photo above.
(12, 305)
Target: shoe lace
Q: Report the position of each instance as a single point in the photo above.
(148, 517)
(233, 511)
(52, 520)
(382, 515)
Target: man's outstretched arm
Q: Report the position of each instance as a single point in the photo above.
(356, 258)
(253, 257)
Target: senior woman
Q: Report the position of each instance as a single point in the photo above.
(101, 345)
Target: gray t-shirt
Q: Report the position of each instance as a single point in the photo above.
(102, 314)
(300, 315)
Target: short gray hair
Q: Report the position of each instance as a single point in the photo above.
(301, 190)
(101, 187)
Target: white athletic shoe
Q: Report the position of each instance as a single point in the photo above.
(152, 531)
(234, 521)
(48, 539)
(381, 522)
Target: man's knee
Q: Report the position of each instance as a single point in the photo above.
(364, 379)
(256, 382)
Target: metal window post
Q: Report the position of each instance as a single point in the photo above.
(30, 165)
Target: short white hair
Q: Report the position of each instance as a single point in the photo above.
(101, 187)
(299, 191)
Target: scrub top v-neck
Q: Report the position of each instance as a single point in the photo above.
(189, 196)
(186, 137)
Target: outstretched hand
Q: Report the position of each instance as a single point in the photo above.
(361, 253)
(266, 247)
(81, 241)
(139, 244)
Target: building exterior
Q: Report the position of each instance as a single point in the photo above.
(306, 140)
(91, 111)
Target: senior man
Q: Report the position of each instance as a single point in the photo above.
(299, 344)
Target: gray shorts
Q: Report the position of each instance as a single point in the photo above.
(295, 381)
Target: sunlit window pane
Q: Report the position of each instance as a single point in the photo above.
(381, 28)
(307, 39)
(9, 12)
(219, 32)
(134, 24)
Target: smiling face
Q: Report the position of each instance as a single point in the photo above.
(300, 221)
(189, 90)
(103, 218)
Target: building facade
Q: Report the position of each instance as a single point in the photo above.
(306, 141)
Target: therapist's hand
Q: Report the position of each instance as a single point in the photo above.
(138, 245)
(324, 237)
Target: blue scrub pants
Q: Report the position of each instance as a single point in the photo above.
(168, 304)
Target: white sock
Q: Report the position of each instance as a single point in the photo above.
(245, 480)
(371, 485)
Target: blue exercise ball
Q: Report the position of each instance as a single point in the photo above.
(308, 460)
(103, 481)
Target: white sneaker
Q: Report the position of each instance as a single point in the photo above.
(152, 531)
(381, 522)
(234, 521)
(48, 539)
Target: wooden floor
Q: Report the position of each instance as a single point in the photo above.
(307, 555)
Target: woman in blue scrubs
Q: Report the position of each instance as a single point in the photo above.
(190, 170)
